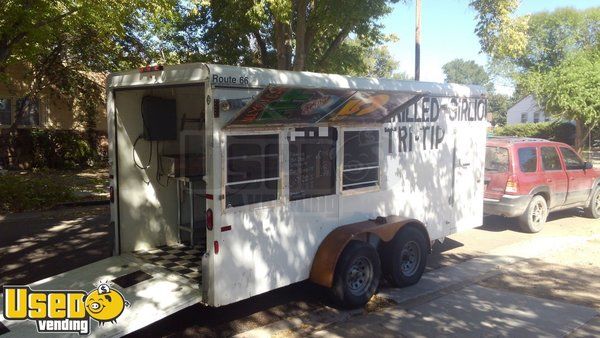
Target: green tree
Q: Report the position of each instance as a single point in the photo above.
(466, 72)
(533, 42)
(284, 34)
(500, 33)
(570, 90)
(63, 45)
(498, 105)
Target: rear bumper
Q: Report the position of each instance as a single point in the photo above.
(507, 205)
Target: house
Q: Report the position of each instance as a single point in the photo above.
(51, 110)
(527, 110)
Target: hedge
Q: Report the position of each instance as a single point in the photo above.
(555, 131)
(51, 148)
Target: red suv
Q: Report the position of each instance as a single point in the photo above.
(527, 178)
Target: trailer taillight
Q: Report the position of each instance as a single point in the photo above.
(151, 68)
(512, 185)
(209, 219)
(216, 245)
(111, 193)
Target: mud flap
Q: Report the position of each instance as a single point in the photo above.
(152, 292)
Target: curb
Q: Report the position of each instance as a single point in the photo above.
(80, 204)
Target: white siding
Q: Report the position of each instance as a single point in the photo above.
(525, 111)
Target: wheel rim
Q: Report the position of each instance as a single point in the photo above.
(359, 275)
(596, 202)
(410, 258)
(538, 214)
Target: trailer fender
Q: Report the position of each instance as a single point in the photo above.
(324, 263)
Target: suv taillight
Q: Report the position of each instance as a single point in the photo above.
(512, 185)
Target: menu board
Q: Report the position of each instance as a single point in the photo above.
(312, 164)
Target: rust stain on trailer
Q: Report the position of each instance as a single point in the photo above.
(331, 248)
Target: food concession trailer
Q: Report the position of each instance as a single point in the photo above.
(228, 182)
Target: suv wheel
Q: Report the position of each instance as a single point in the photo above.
(535, 215)
(593, 209)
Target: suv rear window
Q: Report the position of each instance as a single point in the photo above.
(496, 159)
(550, 159)
(527, 160)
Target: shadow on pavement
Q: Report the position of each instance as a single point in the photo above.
(45, 245)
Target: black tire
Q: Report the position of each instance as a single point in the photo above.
(405, 257)
(357, 275)
(534, 217)
(593, 209)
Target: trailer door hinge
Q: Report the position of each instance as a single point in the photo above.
(221, 197)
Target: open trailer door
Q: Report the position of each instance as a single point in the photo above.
(151, 291)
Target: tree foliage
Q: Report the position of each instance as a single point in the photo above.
(500, 33)
(323, 36)
(498, 105)
(466, 72)
(570, 90)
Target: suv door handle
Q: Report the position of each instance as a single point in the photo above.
(549, 180)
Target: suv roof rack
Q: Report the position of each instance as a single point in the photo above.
(516, 139)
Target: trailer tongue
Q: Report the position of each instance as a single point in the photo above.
(153, 292)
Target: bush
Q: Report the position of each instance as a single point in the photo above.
(61, 149)
(559, 131)
(21, 193)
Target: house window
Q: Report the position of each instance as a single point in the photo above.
(5, 112)
(30, 112)
(252, 169)
(312, 162)
(524, 118)
(361, 159)
(536, 117)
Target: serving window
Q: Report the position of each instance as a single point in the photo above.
(361, 159)
(312, 162)
(252, 169)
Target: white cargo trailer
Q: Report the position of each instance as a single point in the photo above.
(228, 182)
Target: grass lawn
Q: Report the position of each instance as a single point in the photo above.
(41, 189)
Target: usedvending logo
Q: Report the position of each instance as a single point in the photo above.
(64, 310)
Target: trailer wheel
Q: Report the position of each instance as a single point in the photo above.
(593, 209)
(405, 257)
(357, 275)
(534, 217)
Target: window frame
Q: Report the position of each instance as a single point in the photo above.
(281, 186)
(557, 155)
(562, 155)
(524, 117)
(373, 188)
(39, 121)
(287, 159)
(537, 158)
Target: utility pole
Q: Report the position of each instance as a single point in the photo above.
(418, 40)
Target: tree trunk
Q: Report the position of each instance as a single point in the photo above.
(580, 135)
(264, 56)
(335, 44)
(300, 55)
(280, 45)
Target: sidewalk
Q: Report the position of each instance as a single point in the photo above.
(546, 285)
